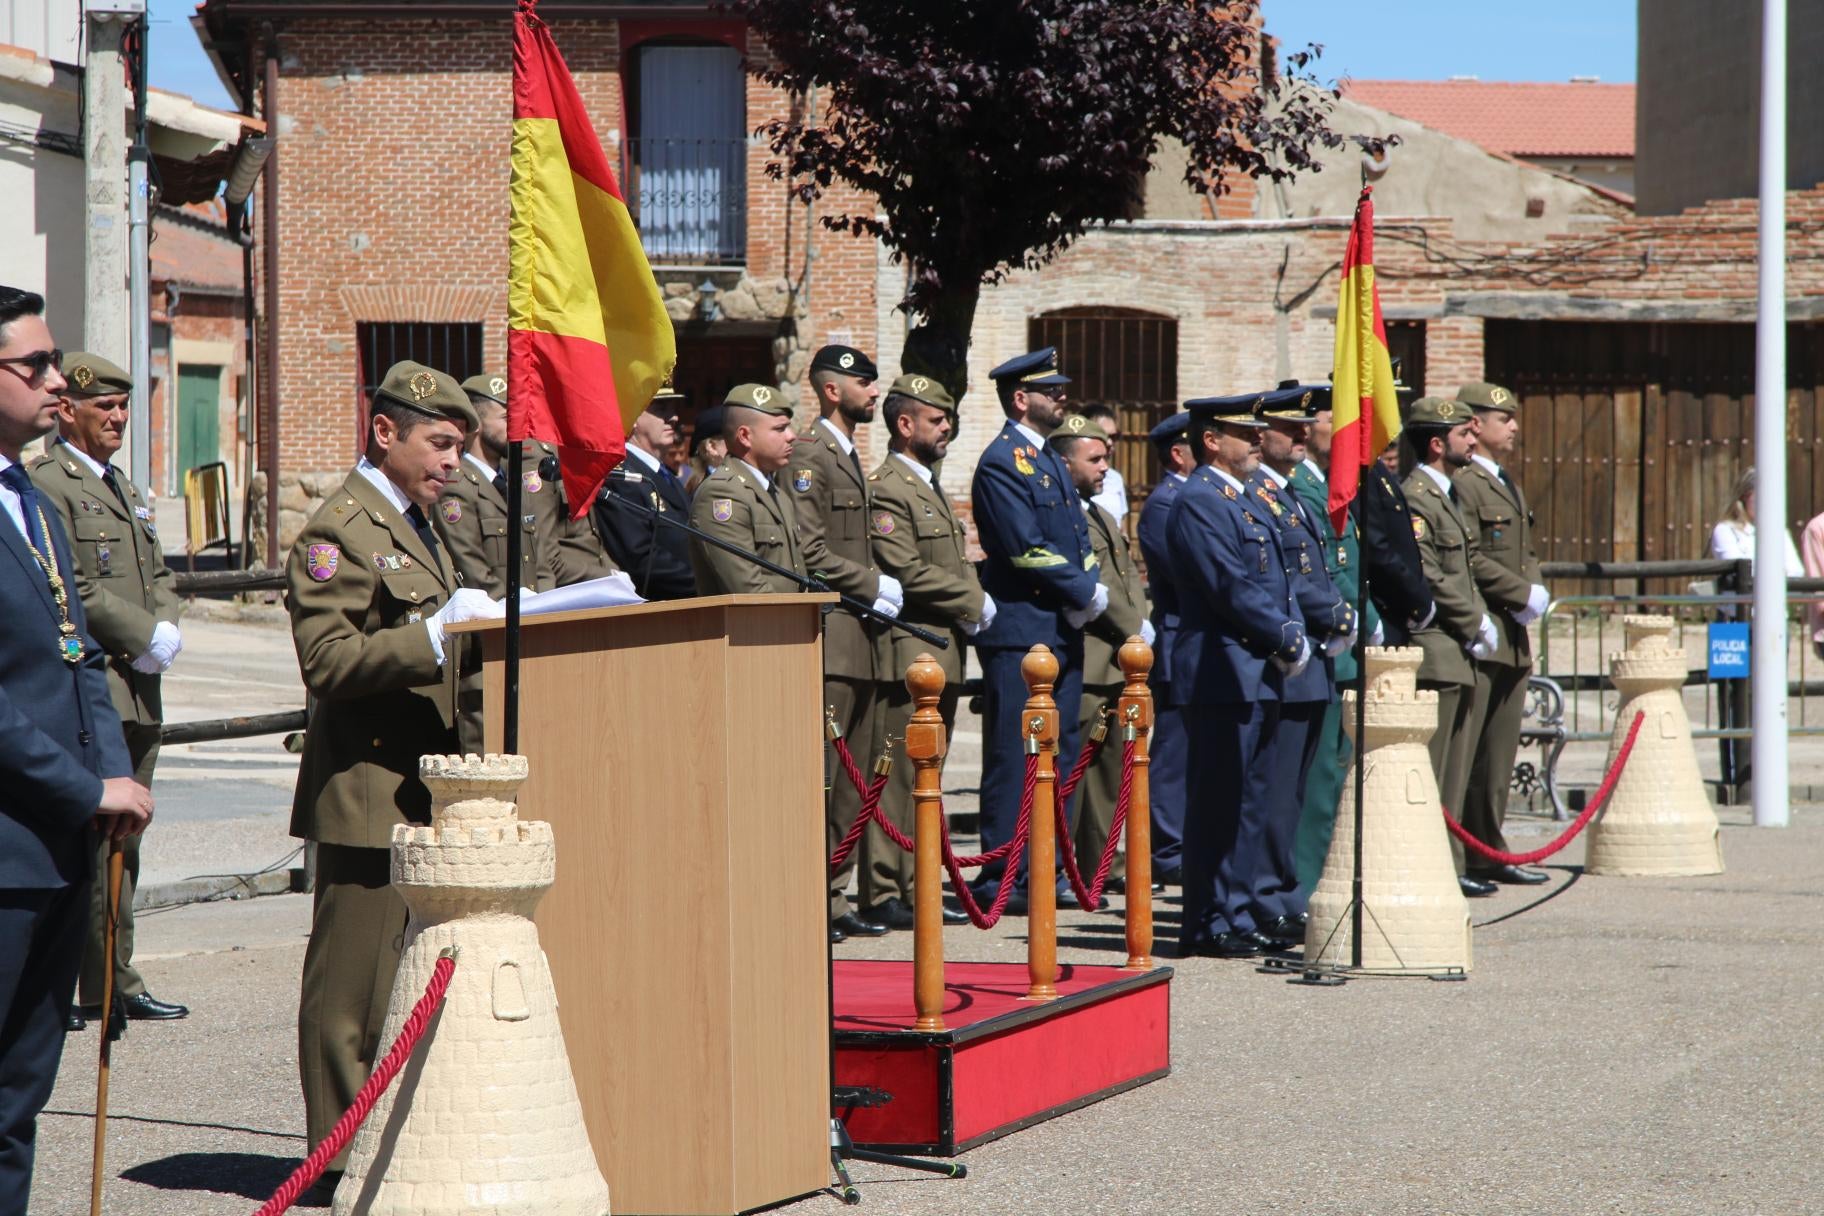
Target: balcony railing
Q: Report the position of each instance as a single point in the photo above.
(689, 198)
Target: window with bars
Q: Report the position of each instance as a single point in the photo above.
(1125, 358)
(453, 347)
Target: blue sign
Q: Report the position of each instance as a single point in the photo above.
(1729, 650)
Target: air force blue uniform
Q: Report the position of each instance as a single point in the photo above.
(1037, 566)
(1240, 628)
(1168, 745)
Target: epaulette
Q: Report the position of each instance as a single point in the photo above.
(626, 474)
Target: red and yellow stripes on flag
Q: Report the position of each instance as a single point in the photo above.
(1365, 410)
(588, 339)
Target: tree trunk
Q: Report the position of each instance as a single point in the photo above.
(938, 345)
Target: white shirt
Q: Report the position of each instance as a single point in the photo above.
(923, 473)
(488, 471)
(835, 432)
(1232, 481)
(1443, 481)
(1030, 434)
(766, 483)
(1273, 474)
(1315, 471)
(100, 470)
(1494, 470)
(384, 484)
(9, 500)
(1180, 478)
(1732, 542)
(1113, 497)
(646, 458)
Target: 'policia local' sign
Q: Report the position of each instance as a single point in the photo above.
(1729, 650)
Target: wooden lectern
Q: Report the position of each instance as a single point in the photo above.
(677, 752)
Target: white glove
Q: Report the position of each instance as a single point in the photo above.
(890, 592)
(1303, 659)
(166, 642)
(1076, 618)
(1537, 601)
(1377, 636)
(886, 607)
(1430, 614)
(1338, 643)
(975, 627)
(466, 604)
(1147, 632)
(1486, 638)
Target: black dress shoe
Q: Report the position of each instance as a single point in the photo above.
(955, 916)
(1171, 875)
(1224, 945)
(1283, 930)
(837, 935)
(892, 913)
(1067, 898)
(1475, 888)
(1274, 945)
(1115, 886)
(147, 1008)
(1514, 876)
(74, 1022)
(854, 926)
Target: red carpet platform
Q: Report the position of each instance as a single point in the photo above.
(1003, 1063)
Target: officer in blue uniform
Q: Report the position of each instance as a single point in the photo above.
(1241, 634)
(1040, 570)
(1168, 747)
(1330, 620)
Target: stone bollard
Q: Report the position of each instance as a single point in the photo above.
(1658, 819)
(484, 1117)
(1415, 916)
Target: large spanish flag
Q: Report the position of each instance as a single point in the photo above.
(1365, 410)
(588, 340)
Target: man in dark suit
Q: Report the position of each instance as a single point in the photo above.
(655, 555)
(1396, 580)
(64, 771)
(1168, 746)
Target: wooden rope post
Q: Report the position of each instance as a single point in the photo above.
(1134, 712)
(925, 748)
(1039, 723)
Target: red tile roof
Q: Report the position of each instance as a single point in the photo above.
(1520, 119)
(184, 251)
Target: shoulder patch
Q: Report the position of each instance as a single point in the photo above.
(321, 561)
(532, 482)
(451, 510)
(1021, 463)
(801, 479)
(1418, 528)
(883, 522)
(722, 509)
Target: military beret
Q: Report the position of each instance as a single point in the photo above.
(492, 385)
(1484, 396)
(1237, 410)
(844, 359)
(93, 376)
(1173, 430)
(708, 426)
(1291, 402)
(1038, 368)
(427, 391)
(762, 397)
(1077, 426)
(1438, 411)
(925, 389)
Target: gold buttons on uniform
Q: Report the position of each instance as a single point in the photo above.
(414, 597)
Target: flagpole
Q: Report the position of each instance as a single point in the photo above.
(1361, 702)
(509, 735)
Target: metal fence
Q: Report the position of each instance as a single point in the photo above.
(689, 198)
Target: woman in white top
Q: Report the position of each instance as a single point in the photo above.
(1733, 538)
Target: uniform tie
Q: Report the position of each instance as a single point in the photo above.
(415, 513)
(1512, 491)
(500, 483)
(16, 480)
(112, 478)
(855, 459)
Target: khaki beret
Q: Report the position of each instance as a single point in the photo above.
(1484, 396)
(431, 392)
(1438, 411)
(762, 397)
(925, 389)
(93, 376)
(492, 385)
(1076, 426)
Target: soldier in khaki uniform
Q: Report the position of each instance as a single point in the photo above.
(1507, 575)
(1461, 631)
(125, 588)
(472, 514)
(741, 502)
(371, 590)
(1083, 444)
(830, 496)
(918, 540)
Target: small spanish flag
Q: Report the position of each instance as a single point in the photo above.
(1365, 409)
(588, 340)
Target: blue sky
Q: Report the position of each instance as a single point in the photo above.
(1436, 39)
(1397, 39)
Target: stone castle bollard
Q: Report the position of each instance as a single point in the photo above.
(484, 1117)
(1659, 819)
(1415, 915)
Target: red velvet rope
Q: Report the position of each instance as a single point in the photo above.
(1016, 849)
(870, 807)
(1589, 812)
(1086, 756)
(1090, 896)
(382, 1076)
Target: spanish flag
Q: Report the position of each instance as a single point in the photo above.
(588, 340)
(1365, 410)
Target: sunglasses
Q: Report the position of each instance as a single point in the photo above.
(36, 364)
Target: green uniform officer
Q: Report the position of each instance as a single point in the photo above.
(472, 513)
(742, 503)
(830, 496)
(371, 590)
(1507, 575)
(1085, 449)
(125, 589)
(1462, 631)
(917, 539)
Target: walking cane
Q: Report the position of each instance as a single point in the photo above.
(116, 869)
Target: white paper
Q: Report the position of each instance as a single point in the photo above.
(610, 592)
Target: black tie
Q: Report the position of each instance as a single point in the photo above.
(855, 459)
(1507, 481)
(415, 513)
(1453, 494)
(500, 483)
(112, 479)
(18, 482)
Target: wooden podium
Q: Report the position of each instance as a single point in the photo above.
(676, 751)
